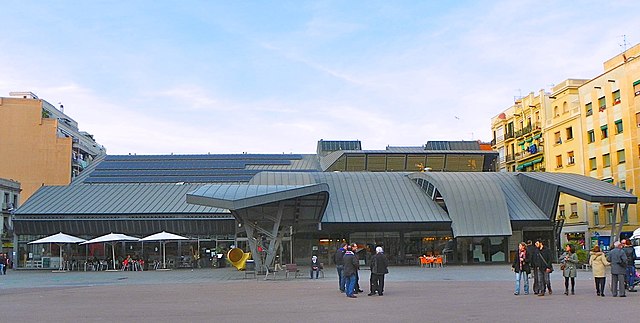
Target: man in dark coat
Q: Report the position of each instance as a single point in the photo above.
(544, 268)
(631, 265)
(618, 261)
(337, 259)
(379, 268)
(532, 254)
(350, 269)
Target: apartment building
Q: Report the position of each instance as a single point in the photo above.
(40, 145)
(564, 142)
(10, 197)
(610, 104)
(518, 135)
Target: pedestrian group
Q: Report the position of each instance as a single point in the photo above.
(535, 259)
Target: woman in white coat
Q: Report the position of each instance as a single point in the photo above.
(598, 262)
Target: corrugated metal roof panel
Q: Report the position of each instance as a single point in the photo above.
(584, 187)
(112, 199)
(475, 203)
(363, 197)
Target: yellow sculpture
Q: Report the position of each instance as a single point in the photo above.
(238, 258)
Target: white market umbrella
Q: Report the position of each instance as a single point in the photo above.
(59, 239)
(164, 237)
(111, 238)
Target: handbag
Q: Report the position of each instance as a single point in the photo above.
(563, 266)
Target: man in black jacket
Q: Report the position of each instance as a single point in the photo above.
(532, 254)
(631, 265)
(379, 268)
(337, 259)
(350, 269)
(544, 267)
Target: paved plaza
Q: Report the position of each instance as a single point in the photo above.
(412, 294)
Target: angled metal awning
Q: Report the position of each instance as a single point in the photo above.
(584, 187)
(239, 196)
(267, 212)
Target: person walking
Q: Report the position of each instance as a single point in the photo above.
(379, 267)
(521, 267)
(569, 261)
(618, 261)
(532, 254)
(350, 269)
(598, 262)
(631, 265)
(544, 267)
(337, 259)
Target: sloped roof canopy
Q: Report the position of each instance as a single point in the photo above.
(133, 208)
(476, 203)
(584, 187)
(364, 197)
(545, 188)
(309, 200)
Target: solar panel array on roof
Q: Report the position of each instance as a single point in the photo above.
(186, 168)
(452, 145)
(327, 146)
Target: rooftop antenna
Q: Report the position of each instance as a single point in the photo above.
(624, 47)
(519, 96)
(624, 43)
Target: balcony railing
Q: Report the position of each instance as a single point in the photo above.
(523, 131)
(527, 154)
(509, 135)
(510, 158)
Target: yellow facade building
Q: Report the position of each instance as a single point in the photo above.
(564, 153)
(610, 104)
(518, 135)
(40, 145)
(589, 127)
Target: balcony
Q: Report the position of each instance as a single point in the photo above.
(509, 135)
(526, 154)
(510, 158)
(537, 126)
(523, 131)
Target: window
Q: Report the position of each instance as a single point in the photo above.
(619, 127)
(606, 160)
(621, 158)
(616, 97)
(622, 184)
(591, 135)
(565, 107)
(556, 111)
(604, 132)
(602, 104)
(570, 158)
(574, 211)
(592, 163)
(609, 212)
(636, 87)
(556, 138)
(596, 217)
(589, 109)
(559, 161)
(569, 133)
(561, 212)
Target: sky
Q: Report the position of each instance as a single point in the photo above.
(197, 77)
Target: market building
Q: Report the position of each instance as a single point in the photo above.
(413, 200)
